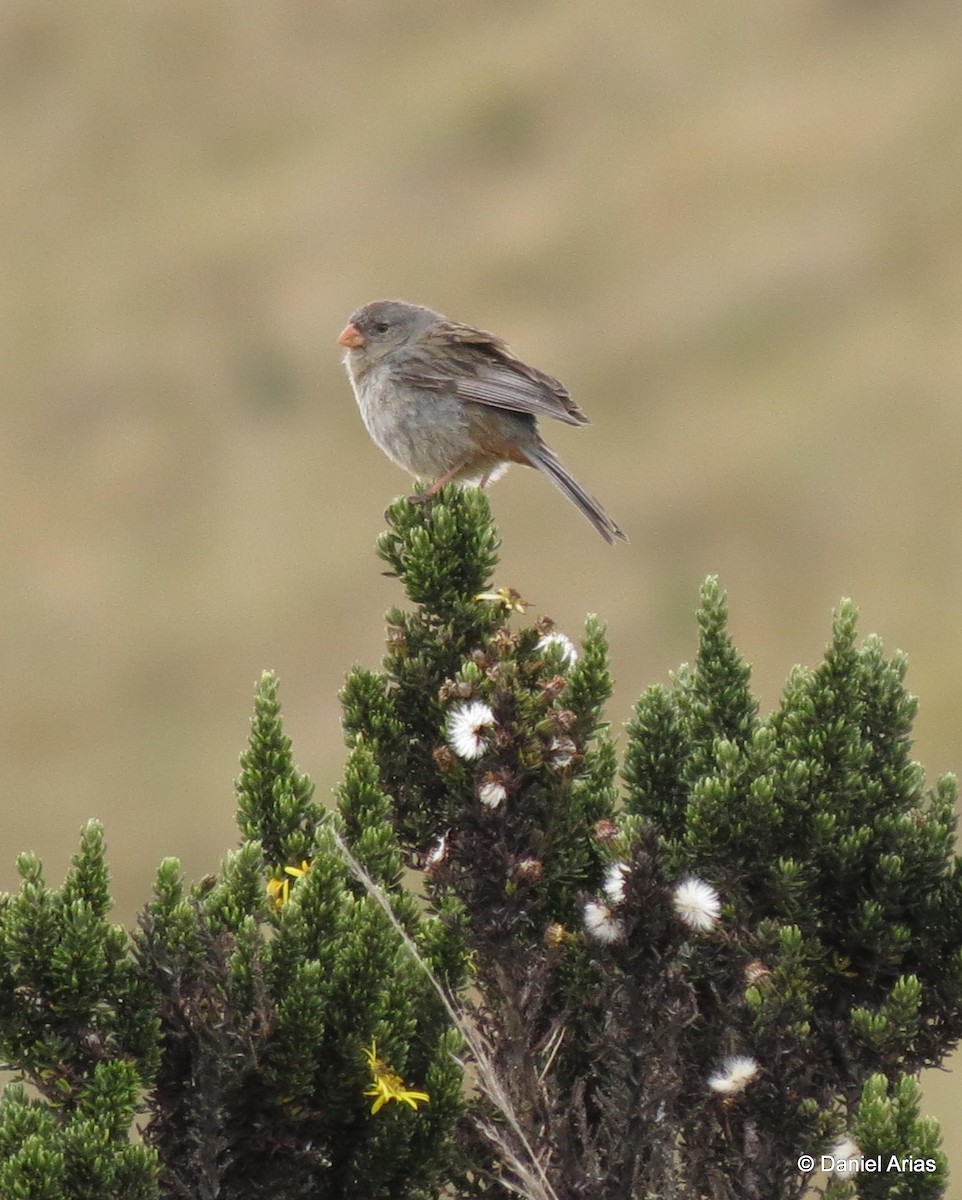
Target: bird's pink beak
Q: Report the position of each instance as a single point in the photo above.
(351, 337)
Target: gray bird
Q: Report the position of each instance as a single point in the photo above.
(449, 402)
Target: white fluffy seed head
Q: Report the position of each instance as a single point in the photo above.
(564, 644)
(492, 794)
(697, 904)
(466, 729)
(614, 884)
(600, 922)
(734, 1075)
(844, 1152)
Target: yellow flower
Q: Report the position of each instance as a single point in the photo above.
(279, 890)
(386, 1086)
(509, 599)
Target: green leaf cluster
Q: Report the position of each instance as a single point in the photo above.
(670, 984)
(269, 998)
(77, 1021)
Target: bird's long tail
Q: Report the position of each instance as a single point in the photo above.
(546, 460)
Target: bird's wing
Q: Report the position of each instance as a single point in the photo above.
(478, 366)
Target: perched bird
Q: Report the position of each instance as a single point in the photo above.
(449, 402)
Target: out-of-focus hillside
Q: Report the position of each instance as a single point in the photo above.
(733, 229)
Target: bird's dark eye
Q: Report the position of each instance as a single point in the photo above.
(382, 327)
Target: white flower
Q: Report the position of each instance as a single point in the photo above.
(437, 854)
(466, 726)
(614, 883)
(492, 794)
(697, 904)
(844, 1152)
(735, 1075)
(564, 644)
(600, 923)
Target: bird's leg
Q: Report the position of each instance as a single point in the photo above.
(425, 497)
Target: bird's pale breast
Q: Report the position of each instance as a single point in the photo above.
(424, 432)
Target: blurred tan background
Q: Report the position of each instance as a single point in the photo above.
(733, 229)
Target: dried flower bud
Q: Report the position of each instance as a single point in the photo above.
(756, 972)
(561, 751)
(455, 689)
(605, 831)
(503, 641)
(443, 759)
(528, 870)
(563, 719)
(552, 688)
